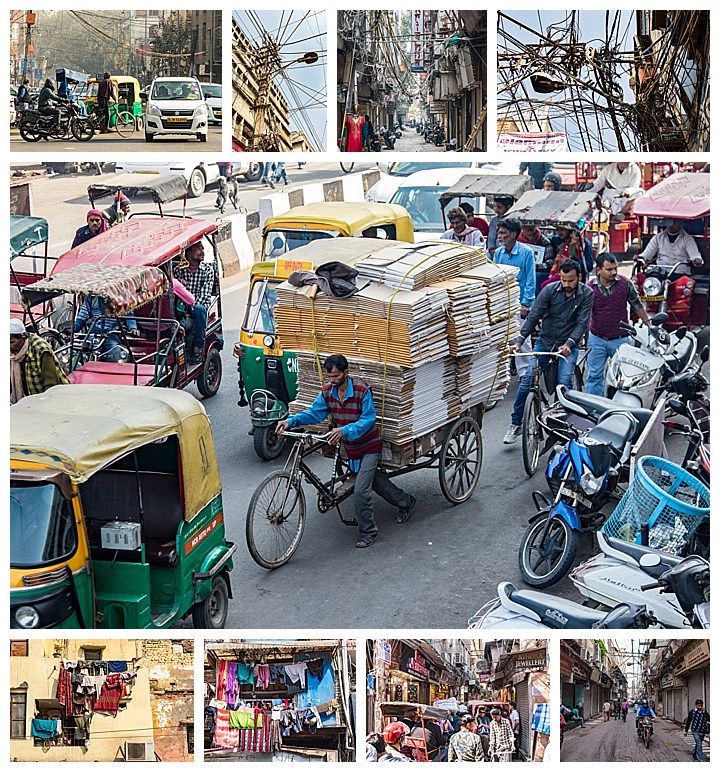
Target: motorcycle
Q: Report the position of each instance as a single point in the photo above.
(662, 291)
(438, 135)
(689, 580)
(398, 133)
(582, 476)
(35, 126)
(375, 142)
(637, 371)
(645, 730)
(387, 137)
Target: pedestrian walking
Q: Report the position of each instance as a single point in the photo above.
(698, 722)
(466, 745)
(267, 174)
(607, 707)
(483, 729)
(105, 94)
(624, 708)
(514, 718)
(280, 173)
(617, 704)
(502, 740)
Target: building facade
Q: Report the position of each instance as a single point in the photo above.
(675, 674)
(591, 672)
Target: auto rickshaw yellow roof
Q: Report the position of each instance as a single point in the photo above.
(349, 217)
(79, 429)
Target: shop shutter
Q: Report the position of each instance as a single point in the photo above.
(678, 707)
(695, 689)
(522, 698)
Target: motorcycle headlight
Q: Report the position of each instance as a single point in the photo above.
(590, 484)
(27, 617)
(652, 286)
(646, 378)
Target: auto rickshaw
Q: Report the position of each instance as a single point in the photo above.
(331, 219)
(684, 196)
(29, 260)
(116, 514)
(127, 89)
(414, 747)
(266, 372)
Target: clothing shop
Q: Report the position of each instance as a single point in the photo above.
(279, 701)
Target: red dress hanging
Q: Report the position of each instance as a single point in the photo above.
(354, 124)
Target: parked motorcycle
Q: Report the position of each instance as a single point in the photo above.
(582, 476)
(664, 289)
(637, 371)
(375, 142)
(689, 580)
(398, 133)
(388, 137)
(438, 135)
(70, 123)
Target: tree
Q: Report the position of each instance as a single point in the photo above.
(175, 39)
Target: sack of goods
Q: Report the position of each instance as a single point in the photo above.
(428, 330)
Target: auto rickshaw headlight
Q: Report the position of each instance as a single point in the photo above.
(652, 286)
(268, 341)
(27, 617)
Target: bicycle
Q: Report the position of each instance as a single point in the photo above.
(122, 121)
(275, 518)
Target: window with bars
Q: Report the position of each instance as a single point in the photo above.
(18, 715)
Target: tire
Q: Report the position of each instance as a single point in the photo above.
(254, 173)
(196, 183)
(125, 124)
(561, 541)
(461, 460)
(268, 445)
(29, 133)
(212, 612)
(277, 498)
(532, 435)
(647, 740)
(54, 338)
(347, 167)
(82, 130)
(202, 137)
(209, 380)
(139, 122)
(149, 137)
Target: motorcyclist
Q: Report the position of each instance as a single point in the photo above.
(643, 712)
(552, 181)
(672, 246)
(47, 98)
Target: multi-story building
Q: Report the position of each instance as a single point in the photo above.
(590, 675)
(206, 31)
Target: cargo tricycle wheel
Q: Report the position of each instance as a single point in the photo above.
(461, 460)
(208, 382)
(212, 612)
(268, 444)
(275, 519)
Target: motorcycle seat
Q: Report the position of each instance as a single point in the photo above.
(616, 430)
(681, 359)
(595, 407)
(636, 551)
(555, 612)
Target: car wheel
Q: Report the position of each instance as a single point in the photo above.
(149, 137)
(202, 137)
(254, 173)
(196, 184)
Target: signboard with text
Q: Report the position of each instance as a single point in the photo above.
(416, 53)
(526, 142)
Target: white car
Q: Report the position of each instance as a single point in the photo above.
(176, 106)
(382, 191)
(213, 96)
(198, 175)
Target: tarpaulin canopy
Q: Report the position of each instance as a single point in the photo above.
(477, 185)
(26, 232)
(126, 287)
(62, 73)
(554, 207)
(400, 709)
(685, 195)
(163, 188)
(81, 429)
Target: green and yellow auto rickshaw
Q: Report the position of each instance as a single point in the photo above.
(127, 89)
(116, 514)
(266, 372)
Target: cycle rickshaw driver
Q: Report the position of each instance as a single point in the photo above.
(350, 405)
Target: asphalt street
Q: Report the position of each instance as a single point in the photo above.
(433, 572)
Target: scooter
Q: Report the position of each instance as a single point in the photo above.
(582, 476)
(375, 142)
(438, 135)
(689, 580)
(398, 133)
(637, 371)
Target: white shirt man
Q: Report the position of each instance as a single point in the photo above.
(672, 246)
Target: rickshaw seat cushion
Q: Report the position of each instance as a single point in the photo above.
(113, 372)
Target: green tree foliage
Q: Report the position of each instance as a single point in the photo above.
(174, 38)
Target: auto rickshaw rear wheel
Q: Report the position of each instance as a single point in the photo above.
(212, 612)
(208, 382)
(268, 445)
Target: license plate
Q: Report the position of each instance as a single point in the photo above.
(652, 298)
(571, 494)
(177, 120)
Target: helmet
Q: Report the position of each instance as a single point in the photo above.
(555, 178)
(394, 731)
(645, 703)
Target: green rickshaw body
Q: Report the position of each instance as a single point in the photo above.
(137, 510)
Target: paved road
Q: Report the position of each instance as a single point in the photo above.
(114, 143)
(412, 142)
(615, 740)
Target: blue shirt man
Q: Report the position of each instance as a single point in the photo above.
(512, 252)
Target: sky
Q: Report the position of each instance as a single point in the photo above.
(299, 32)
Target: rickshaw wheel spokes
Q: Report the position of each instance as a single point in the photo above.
(461, 460)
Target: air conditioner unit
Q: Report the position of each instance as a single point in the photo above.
(139, 751)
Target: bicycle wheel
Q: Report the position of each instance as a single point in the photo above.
(275, 519)
(125, 124)
(532, 434)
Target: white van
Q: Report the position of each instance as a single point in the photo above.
(176, 106)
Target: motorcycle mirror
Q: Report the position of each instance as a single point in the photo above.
(705, 354)
(681, 332)
(659, 319)
(677, 406)
(649, 559)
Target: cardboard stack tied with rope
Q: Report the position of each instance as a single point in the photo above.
(429, 331)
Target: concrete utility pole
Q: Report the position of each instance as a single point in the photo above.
(29, 48)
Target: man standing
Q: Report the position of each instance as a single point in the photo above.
(483, 721)
(501, 737)
(607, 707)
(514, 719)
(536, 171)
(34, 368)
(672, 246)
(698, 722)
(96, 224)
(564, 308)
(501, 205)
(350, 404)
(23, 96)
(465, 745)
(460, 232)
(612, 294)
(105, 93)
(199, 279)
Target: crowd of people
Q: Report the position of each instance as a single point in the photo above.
(488, 734)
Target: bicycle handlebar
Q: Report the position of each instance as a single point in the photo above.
(306, 436)
(539, 354)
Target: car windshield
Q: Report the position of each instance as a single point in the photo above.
(259, 313)
(174, 90)
(42, 526)
(406, 168)
(278, 242)
(212, 90)
(423, 206)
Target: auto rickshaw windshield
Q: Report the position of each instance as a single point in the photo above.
(278, 242)
(42, 526)
(259, 313)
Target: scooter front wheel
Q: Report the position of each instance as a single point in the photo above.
(545, 558)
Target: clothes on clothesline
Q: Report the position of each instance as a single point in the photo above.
(80, 689)
(45, 728)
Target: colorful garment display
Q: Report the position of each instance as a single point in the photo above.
(112, 691)
(354, 125)
(224, 736)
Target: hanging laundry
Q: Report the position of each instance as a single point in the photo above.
(263, 676)
(221, 679)
(232, 687)
(296, 672)
(224, 736)
(315, 666)
(110, 696)
(256, 740)
(44, 728)
(64, 691)
(277, 673)
(117, 666)
(245, 674)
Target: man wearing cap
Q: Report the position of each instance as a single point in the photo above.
(34, 368)
(394, 735)
(698, 722)
(465, 745)
(502, 740)
(118, 211)
(96, 224)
